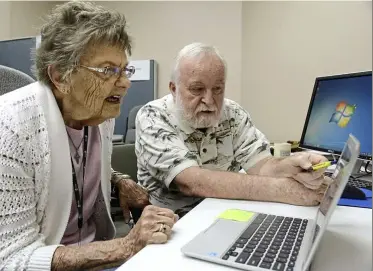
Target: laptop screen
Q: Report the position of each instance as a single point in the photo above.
(332, 195)
(340, 178)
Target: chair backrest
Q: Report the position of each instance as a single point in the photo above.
(11, 79)
(124, 159)
(130, 137)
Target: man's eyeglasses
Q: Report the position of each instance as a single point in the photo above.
(113, 71)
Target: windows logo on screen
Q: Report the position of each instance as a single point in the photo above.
(343, 113)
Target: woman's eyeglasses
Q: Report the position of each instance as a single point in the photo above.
(113, 71)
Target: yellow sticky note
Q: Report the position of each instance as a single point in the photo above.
(237, 215)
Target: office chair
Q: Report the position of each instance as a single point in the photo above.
(11, 79)
(124, 160)
(130, 137)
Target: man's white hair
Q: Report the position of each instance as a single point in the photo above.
(193, 50)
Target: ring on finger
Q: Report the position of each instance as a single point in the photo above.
(162, 228)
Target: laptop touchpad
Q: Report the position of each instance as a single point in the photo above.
(217, 239)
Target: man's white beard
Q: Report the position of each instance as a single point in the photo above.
(203, 121)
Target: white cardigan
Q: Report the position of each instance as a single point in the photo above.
(35, 179)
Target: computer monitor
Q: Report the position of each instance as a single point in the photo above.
(340, 105)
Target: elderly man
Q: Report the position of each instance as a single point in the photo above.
(192, 143)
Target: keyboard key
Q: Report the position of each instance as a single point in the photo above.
(289, 269)
(242, 241)
(270, 255)
(242, 258)
(274, 251)
(278, 266)
(298, 219)
(260, 218)
(254, 261)
(234, 254)
(250, 231)
(285, 251)
(233, 248)
(261, 250)
(253, 242)
(239, 245)
(248, 250)
(263, 246)
(251, 246)
(281, 260)
(291, 264)
(266, 243)
(286, 247)
(265, 265)
(256, 238)
(295, 253)
(268, 260)
(258, 254)
(293, 258)
(225, 257)
(283, 255)
(275, 247)
(297, 248)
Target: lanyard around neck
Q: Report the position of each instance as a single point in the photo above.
(78, 195)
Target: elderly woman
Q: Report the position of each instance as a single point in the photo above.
(55, 149)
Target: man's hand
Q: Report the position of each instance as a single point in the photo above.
(296, 167)
(154, 227)
(297, 194)
(131, 195)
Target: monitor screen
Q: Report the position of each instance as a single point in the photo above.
(340, 105)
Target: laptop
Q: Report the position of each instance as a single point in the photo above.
(263, 241)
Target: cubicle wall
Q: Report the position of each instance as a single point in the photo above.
(142, 90)
(16, 54)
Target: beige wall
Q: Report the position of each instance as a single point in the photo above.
(274, 49)
(5, 20)
(161, 29)
(22, 18)
(286, 45)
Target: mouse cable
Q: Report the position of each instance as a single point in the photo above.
(366, 168)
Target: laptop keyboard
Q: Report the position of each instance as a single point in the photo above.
(270, 242)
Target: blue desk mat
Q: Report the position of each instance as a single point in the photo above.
(357, 202)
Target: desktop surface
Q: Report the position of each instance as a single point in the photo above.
(346, 245)
(340, 105)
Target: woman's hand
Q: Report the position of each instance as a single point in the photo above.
(154, 227)
(131, 195)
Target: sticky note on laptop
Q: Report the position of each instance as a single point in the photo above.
(237, 215)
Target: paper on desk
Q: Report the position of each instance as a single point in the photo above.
(237, 215)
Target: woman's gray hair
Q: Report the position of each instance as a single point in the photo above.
(194, 50)
(68, 32)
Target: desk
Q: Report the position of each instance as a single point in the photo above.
(346, 245)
